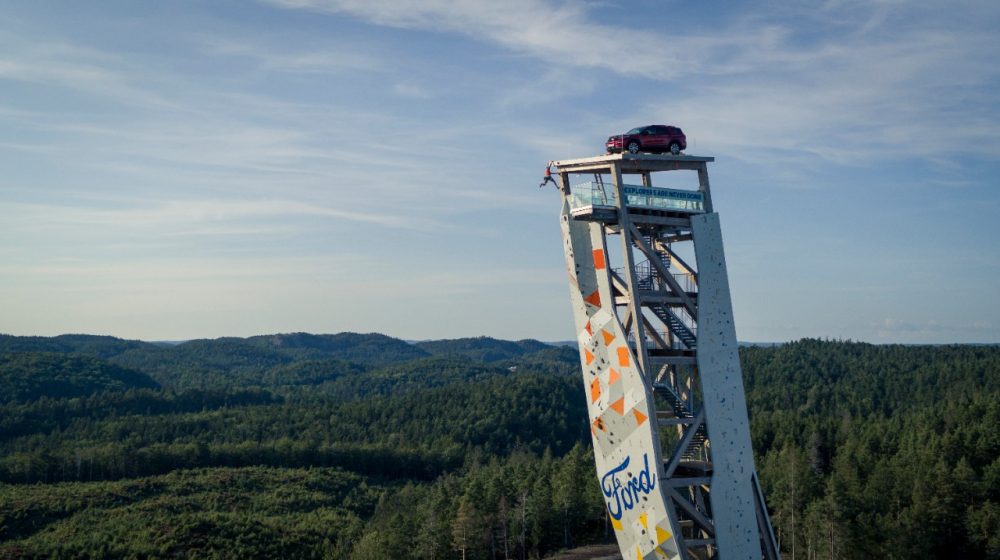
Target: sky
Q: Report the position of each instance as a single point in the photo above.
(178, 170)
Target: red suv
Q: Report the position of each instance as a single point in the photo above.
(652, 138)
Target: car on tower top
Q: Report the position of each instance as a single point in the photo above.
(655, 138)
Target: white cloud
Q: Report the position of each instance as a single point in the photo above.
(929, 330)
(916, 91)
(333, 59)
(410, 90)
(561, 34)
(866, 81)
(178, 216)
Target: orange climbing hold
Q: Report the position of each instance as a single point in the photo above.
(619, 406)
(608, 337)
(598, 259)
(639, 417)
(624, 358)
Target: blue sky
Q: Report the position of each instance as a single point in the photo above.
(176, 170)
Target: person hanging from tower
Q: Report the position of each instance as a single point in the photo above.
(548, 177)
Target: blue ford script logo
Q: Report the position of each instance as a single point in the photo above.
(623, 492)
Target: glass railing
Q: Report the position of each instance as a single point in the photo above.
(673, 200)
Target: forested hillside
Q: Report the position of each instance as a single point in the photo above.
(29, 376)
(879, 451)
(365, 446)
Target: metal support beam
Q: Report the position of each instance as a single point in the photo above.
(698, 517)
(638, 331)
(664, 273)
(683, 444)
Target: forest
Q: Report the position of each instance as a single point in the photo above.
(363, 446)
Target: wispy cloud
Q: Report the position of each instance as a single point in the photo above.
(562, 33)
(178, 216)
(342, 59)
(82, 69)
(869, 81)
(410, 90)
(893, 329)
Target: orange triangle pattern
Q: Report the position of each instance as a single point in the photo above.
(619, 406)
(608, 337)
(639, 417)
(594, 299)
(595, 390)
(598, 259)
(588, 329)
(624, 358)
(613, 376)
(588, 356)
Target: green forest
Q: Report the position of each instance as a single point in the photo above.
(363, 446)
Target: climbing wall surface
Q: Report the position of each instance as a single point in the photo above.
(723, 398)
(625, 439)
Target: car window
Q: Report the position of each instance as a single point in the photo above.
(634, 131)
(659, 129)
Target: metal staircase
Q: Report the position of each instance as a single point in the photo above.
(679, 410)
(676, 325)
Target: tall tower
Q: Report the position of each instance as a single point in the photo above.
(661, 369)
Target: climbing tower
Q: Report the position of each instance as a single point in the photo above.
(661, 369)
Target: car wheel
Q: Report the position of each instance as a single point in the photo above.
(633, 147)
(675, 148)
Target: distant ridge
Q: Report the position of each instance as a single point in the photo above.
(27, 376)
(369, 348)
(483, 348)
(98, 346)
(338, 361)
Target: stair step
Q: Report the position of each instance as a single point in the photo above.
(693, 468)
(676, 326)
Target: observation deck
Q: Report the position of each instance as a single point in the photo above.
(597, 200)
(633, 163)
(600, 199)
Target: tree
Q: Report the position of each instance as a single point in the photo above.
(463, 528)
